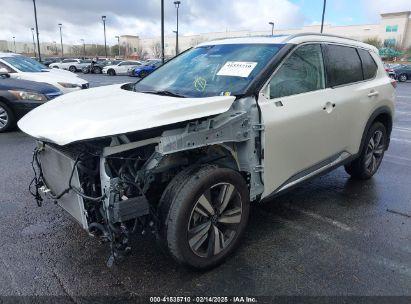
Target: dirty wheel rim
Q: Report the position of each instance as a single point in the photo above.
(214, 220)
(72, 69)
(4, 117)
(403, 78)
(375, 151)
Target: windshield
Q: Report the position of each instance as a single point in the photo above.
(212, 70)
(25, 64)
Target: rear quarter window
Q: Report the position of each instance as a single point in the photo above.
(369, 66)
(343, 65)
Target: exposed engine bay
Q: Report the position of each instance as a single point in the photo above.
(112, 186)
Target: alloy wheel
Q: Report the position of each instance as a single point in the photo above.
(403, 78)
(4, 118)
(375, 151)
(214, 220)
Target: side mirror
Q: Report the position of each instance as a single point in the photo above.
(4, 73)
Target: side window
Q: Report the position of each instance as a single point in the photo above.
(343, 65)
(9, 69)
(301, 72)
(369, 66)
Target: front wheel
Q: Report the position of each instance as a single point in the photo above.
(73, 69)
(97, 70)
(6, 118)
(111, 72)
(204, 215)
(367, 164)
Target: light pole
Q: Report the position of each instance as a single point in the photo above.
(177, 4)
(175, 32)
(55, 47)
(118, 43)
(84, 48)
(34, 43)
(37, 29)
(162, 31)
(272, 28)
(14, 42)
(61, 41)
(322, 21)
(105, 41)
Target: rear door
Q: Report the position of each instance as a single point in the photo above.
(350, 76)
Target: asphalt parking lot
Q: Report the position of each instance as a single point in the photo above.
(333, 236)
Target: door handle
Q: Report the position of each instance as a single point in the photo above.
(373, 93)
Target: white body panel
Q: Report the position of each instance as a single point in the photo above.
(66, 65)
(111, 110)
(121, 68)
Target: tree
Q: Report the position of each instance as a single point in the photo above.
(375, 41)
(114, 50)
(156, 49)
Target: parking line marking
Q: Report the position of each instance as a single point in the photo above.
(320, 217)
(405, 141)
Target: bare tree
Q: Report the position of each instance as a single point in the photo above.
(156, 48)
(375, 41)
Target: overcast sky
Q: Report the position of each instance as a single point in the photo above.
(82, 18)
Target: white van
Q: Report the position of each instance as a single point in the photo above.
(21, 67)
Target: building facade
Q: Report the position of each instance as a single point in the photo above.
(394, 29)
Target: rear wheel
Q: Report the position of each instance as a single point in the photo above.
(204, 215)
(6, 118)
(97, 70)
(371, 155)
(403, 78)
(143, 74)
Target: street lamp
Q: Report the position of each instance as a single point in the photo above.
(162, 31)
(61, 40)
(37, 29)
(105, 41)
(118, 43)
(34, 43)
(322, 21)
(272, 28)
(177, 5)
(84, 48)
(14, 42)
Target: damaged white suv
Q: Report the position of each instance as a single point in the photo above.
(185, 150)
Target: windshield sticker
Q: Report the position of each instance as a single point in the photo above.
(225, 93)
(237, 68)
(200, 84)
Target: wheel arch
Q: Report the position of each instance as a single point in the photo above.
(382, 114)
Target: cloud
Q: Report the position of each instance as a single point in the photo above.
(81, 19)
(374, 8)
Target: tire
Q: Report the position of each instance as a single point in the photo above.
(192, 215)
(7, 119)
(85, 70)
(111, 72)
(97, 70)
(72, 69)
(367, 164)
(403, 78)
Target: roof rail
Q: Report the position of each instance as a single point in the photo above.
(318, 34)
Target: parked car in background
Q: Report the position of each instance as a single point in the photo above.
(121, 68)
(403, 72)
(390, 71)
(25, 68)
(18, 97)
(49, 60)
(144, 69)
(98, 66)
(73, 65)
(184, 151)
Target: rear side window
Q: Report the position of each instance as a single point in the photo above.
(369, 66)
(343, 65)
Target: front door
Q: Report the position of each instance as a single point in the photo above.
(299, 120)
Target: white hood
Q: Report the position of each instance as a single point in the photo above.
(111, 110)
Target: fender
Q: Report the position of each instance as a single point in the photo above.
(374, 115)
